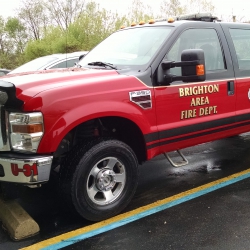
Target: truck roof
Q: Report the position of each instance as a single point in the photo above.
(179, 20)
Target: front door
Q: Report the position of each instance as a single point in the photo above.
(192, 113)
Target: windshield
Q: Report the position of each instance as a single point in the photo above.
(35, 64)
(128, 48)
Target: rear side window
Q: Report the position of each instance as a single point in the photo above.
(241, 41)
(206, 39)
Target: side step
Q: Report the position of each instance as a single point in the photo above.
(181, 163)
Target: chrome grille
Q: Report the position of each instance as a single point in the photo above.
(2, 174)
(4, 142)
(3, 126)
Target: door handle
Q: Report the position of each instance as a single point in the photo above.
(230, 88)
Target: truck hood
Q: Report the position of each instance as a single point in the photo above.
(30, 84)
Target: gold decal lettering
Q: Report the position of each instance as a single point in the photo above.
(186, 91)
(193, 102)
(205, 87)
(186, 114)
(216, 88)
(181, 92)
(210, 89)
(195, 92)
(198, 90)
(199, 101)
(208, 111)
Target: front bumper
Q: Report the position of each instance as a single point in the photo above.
(25, 169)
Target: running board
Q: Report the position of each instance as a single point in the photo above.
(181, 163)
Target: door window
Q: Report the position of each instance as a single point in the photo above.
(241, 41)
(206, 39)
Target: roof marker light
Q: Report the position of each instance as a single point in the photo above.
(151, 21)
(171, 20)
(141, 22)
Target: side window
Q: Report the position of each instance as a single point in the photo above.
(206, 39)
(241, 41)
(65, 64)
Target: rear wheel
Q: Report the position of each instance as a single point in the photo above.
(99, 178)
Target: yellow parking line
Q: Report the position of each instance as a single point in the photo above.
(122, 219)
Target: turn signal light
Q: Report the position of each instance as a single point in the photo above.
(200, 70)
(27, 128)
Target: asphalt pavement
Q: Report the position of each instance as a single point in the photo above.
(215, 219)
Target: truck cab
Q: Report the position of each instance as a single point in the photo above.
(146, 90)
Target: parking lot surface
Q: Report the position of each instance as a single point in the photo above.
(204, 205)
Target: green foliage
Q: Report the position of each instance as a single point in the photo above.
(172, 8)
(44, 27)
(12, 41)
(196, 6)
(140, 12)
(33, 14)
(91, 27)
(36, 49)
(16, 33)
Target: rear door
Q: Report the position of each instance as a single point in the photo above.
(192, 113)
(238, 36)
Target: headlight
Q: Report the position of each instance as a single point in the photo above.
(26, 130)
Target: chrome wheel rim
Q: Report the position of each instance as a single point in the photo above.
(106, 181)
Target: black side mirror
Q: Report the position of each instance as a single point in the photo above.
(192, 68)
(195, 72)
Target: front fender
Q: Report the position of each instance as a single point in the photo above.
(57, 127)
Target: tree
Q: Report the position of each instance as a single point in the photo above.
(82, 34)
(172, 8)
(11, 44)
(139, 12)
(2, 35)
(198, 6)
(33, 14)
(16, 33)
(64, 12)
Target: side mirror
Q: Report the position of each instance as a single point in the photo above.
(196, 72)
(192, 68)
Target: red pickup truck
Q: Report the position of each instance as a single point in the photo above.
(146, 90)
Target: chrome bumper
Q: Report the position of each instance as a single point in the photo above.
(24, 169)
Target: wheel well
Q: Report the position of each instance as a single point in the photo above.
(116, 127)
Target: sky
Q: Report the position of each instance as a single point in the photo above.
(239, 8)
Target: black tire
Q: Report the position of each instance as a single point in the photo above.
(99, 178)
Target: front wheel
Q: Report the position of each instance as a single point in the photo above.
(100, 178)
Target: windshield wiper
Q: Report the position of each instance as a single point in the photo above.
(104, 64)
(78, 65)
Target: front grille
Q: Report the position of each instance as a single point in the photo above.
(2, 174)
(3, 126)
